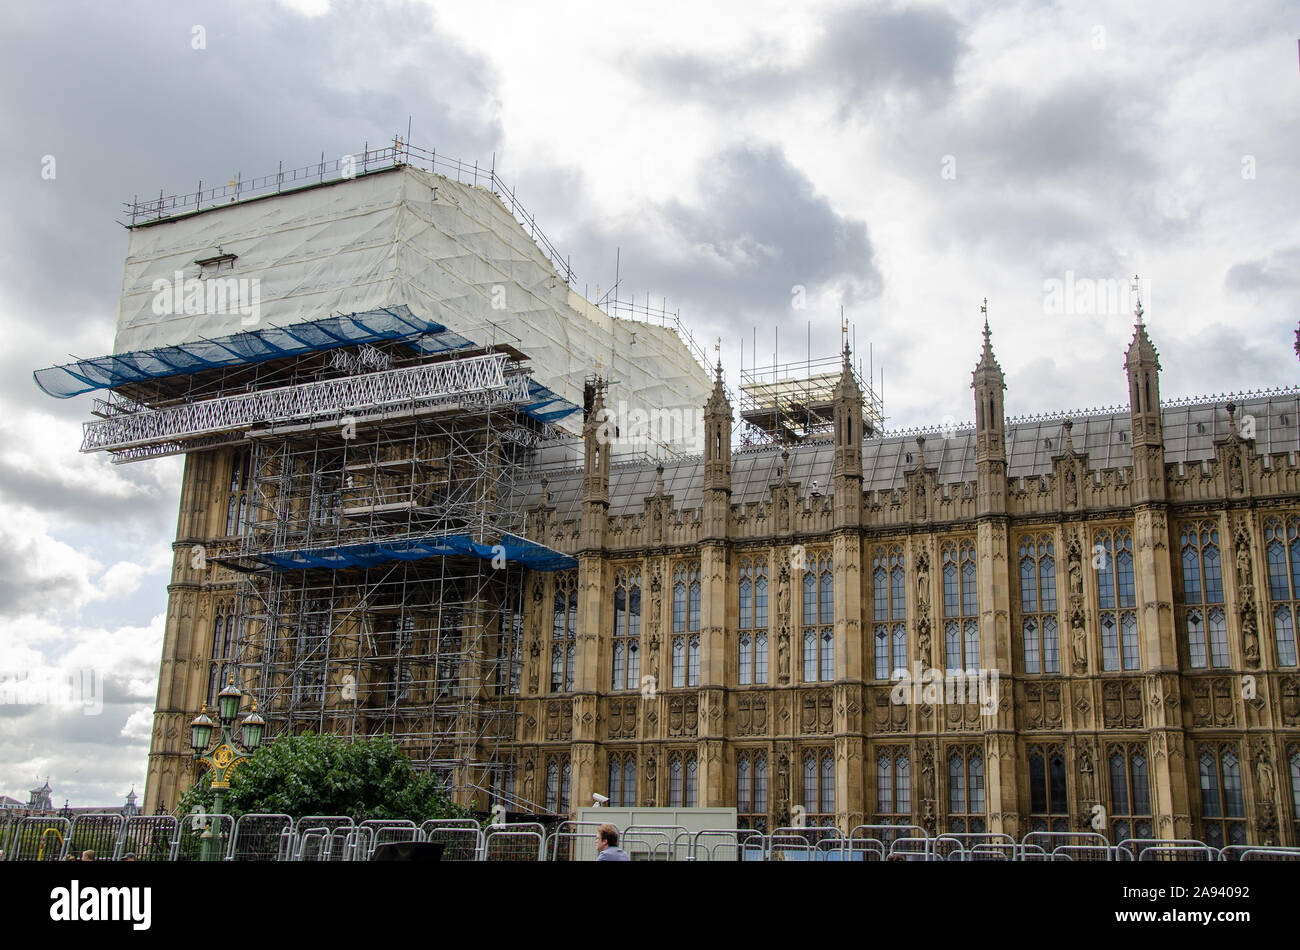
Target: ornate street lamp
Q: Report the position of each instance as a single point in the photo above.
(228, 754)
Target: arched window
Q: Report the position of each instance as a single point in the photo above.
(819, 619)
(223, 648)
(751, 789)
(893, 786)
(626, 673)
(1038, 625)
(961, 603)
(889, 596)
(966, 790)
(1047, 790)
(1294, 760)
(510, 656)
(1130, 793)
(1283, 584)
(752, 640)
(682, 780)
(686, 619)
(564, 632)
(1202, 573)
(1222, 807)
(622, 780)
(237, 500)
(1116, 596)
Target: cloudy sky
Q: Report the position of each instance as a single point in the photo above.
(900, 161)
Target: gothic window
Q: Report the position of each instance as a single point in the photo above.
(627, 630)
(510, 656)
(893, 786)
(752, 639)
(622, 780)
(966, 790)
(558, 776)
(403, 641)
(1116, 598)
(1282, 547)
(819, 787)
(1038, 625)
(751, 789)
(311, 642)
(237, 500)
(686, 621)
(1130, 793)
(449, 647)
(1222, 809)
(682, 780)
(223, 645)
(889, 599)
(503, 783)
(1048, 804)
(564, 632)
(1294, 759)
(961, 640)
(819, 619)
(1205, 623)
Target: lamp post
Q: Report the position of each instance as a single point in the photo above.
(228, 754)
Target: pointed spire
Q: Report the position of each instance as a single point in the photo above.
(1067, 426)
(659, 479)
(920, 451)
(987, 360)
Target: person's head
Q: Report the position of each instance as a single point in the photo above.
(71, 857)
(88, 855)
(129, 856)
(606, 837)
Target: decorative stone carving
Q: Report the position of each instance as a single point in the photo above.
(1043, 705)
(751, 715)
(559, 719)
(683, 716)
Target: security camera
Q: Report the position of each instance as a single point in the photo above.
(600, 799)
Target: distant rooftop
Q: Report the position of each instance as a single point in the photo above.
(1191, 426)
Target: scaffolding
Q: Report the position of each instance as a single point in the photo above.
(380, 584)
(794, 402)
(425, 650)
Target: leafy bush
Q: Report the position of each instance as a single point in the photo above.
(314, 774)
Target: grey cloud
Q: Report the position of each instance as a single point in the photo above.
(1279, 272)
(735, 261)
(860, 55)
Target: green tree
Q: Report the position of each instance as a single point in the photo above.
(315, 774)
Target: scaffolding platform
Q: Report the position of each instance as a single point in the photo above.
(794, 402)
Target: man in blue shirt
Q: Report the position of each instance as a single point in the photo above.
(607, 845)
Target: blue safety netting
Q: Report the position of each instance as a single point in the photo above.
(516, 550)
(253, 346)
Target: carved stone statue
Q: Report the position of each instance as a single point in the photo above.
(1263, 775)
(1249, 636)
(926, 787)
(922, 581)
(1245, 585)
(1087, 777)
(1234, 473)
(1076, 574)
(783, 596)
(783, 657)
(1079, 642)
(1071, 487)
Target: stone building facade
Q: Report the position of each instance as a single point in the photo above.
(1122, 586)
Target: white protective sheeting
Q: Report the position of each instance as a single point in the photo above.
(451, 252)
